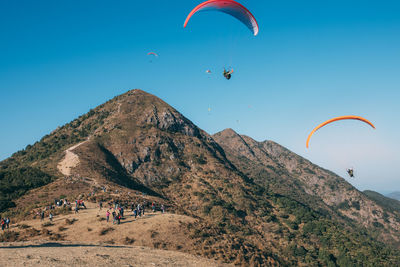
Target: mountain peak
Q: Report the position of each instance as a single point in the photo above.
(245, 198)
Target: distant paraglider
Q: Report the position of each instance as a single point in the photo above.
(230, 7)
(228, 74)
(152, 56)
(152, 53)
(337, 119)
(350, 171)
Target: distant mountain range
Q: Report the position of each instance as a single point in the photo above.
(253, 203)
(394, 195)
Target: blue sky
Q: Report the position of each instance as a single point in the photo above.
(312, 60)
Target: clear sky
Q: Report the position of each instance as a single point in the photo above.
(312, 60)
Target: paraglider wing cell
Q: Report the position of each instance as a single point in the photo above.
(230, 7)
(337, 119)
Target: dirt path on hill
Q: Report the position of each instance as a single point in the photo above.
(70, 161)
(68, 254)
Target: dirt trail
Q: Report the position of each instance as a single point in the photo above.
(67, 254)
(70, 161)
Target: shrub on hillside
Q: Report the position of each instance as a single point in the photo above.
(129, 241)
(47, 224)
(9, 236)
(106, 230)
(70, 222)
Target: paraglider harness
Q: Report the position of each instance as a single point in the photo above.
(350, 172)
(228, 74)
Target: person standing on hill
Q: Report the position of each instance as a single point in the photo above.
(8, 223)
(3, 224)
(51, 217)
(114, 215)
(42, 216)
(119, 217)
(100, 204)
(108, 215)
(162, 208)
(135, 213)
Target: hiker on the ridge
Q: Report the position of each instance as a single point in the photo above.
(8, 222)
(162, 208)
(42, 216)
(114, 215)
(100, 204)
(108, 215)
(153, 207)
(51, 217)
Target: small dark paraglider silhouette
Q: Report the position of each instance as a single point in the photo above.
(228, 74)
(350, 171)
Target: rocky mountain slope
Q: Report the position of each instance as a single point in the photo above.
(252, 203)
(389, 203)
(286, 173)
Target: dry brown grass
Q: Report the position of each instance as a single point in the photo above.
(31, 232)
(46, 232)
(23, 226)
(70, 222)
(56, 237)
(47, 224)
(9, 236)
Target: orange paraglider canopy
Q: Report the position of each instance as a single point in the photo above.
(337, 119)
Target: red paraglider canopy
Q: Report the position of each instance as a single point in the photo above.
(230, 7)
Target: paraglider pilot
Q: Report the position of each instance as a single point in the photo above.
(350, 172)
(228, 74)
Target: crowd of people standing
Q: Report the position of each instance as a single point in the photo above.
(5, 223)
(116, 210)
